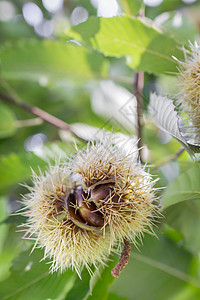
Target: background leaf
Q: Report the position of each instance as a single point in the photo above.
(185, 187)
(99, 284)
(50, 59)
(8, 241)
(16, 168)
(161, 262)
(95, 287)
(181, 202)
(184, 217)
(178, 26)
(30, 279)
(7, 121)
(81, 286)
(113, 296)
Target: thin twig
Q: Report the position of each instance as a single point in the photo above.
(123, 259)
(169, 158)
(28, 123)
(48, 118)
(138, 90)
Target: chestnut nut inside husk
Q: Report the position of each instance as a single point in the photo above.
(84, 207)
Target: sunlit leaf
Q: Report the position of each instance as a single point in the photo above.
(131, 7)
(145, 48)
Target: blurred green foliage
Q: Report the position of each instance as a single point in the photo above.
(58, 67)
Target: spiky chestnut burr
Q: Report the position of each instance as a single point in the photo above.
(83, 210)
(189, 90)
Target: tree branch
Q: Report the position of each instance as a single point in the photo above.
(169, 158)
(48, 118)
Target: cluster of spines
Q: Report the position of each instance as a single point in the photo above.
(189, 91)
(127, 206)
